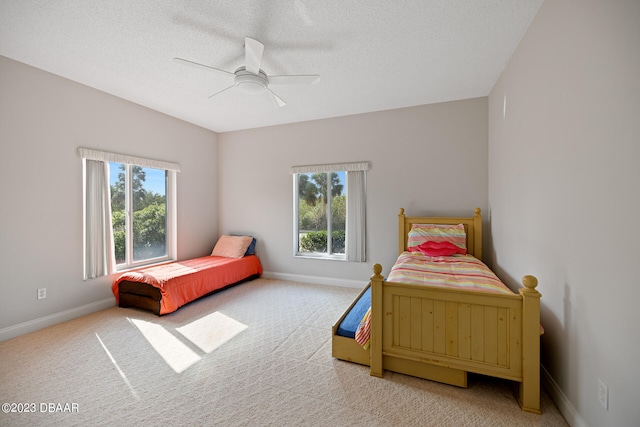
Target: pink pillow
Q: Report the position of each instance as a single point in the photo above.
(432, 248)
(232, 246)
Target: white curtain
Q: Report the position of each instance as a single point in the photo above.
(347, 167)
(99, 255)
(356, 216)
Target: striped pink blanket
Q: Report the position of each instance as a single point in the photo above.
(458, 271)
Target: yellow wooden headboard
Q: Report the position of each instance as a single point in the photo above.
(472, 226)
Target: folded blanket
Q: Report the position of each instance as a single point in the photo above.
(363, 332)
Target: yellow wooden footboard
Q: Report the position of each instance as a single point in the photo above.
(457, 331)
(452, 329)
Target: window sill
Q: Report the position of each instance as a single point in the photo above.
(321, 257)
(153, 263)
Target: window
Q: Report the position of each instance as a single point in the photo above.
(129, 206)
(329, 211)
(139, 207)
(322, 213)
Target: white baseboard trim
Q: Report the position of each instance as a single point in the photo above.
(53, 319)
(557, 395)
(315, 280)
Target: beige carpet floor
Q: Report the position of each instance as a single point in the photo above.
(258, 354)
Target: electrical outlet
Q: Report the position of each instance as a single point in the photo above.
(603, 394)
(42, 293)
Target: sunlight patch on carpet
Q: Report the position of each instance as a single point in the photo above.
(211, 331)
(177, 355)
(124, 377)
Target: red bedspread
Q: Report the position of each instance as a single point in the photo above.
(181, 282)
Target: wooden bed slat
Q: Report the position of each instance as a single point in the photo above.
(427, 330)
(439, 327)
(416, 322)
(464, 331)
(503, 337)
(404, 321)
(477, 330)
(451, 331)
(490, 336)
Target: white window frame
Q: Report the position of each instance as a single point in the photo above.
(171, 223)
(296, 233)
(171, 199)
(355, 223)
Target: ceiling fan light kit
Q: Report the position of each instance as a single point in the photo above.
(251, 79)
(251, 83)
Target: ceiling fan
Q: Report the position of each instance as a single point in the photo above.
(250, 78)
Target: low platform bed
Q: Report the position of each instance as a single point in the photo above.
(441, 333)
(148, 297)
(164, 288)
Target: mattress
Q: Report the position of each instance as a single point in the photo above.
(352, 320)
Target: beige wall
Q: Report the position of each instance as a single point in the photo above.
(43, 119)
(427, 159)
(564, 192)
(237, 181)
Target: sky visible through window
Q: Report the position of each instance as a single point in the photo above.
(341, 175)
(154, 182)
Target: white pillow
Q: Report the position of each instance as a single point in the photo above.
(232, 246)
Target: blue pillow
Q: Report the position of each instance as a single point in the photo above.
(251, 250)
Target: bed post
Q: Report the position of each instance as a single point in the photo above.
(477, 233)
(376, 322)
(529, 396)
(402, 233)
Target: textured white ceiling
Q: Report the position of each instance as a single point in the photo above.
(371, 55)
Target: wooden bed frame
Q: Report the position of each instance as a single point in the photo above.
(440, 334)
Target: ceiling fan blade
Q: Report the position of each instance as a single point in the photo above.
(253, 50)
(305, 79)
(200, 66)
(219, 92)
(276, 99)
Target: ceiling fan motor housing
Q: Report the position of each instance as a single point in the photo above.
(249, 82)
